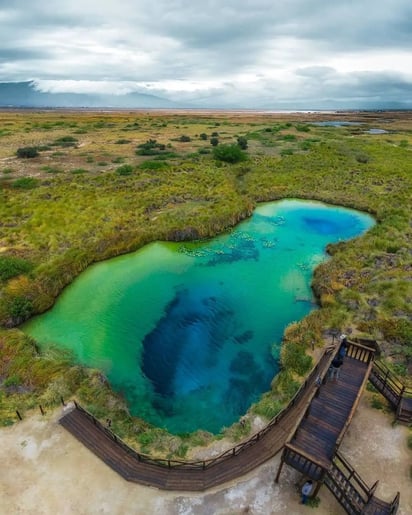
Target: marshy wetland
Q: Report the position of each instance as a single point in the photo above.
(102, 185)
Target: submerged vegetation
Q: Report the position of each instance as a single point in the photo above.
(53, 225)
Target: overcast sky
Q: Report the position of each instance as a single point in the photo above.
(216, 53)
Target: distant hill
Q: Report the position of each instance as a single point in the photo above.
(23, 94)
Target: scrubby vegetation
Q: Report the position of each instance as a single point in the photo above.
(53, 225)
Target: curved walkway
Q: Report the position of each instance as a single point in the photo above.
(193, 476)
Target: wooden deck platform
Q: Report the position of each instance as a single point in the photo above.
(319, 431)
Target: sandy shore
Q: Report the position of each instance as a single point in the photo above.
(46, 471)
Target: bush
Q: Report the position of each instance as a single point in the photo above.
(294, 358)
(150, 148)
(25, 183)
(229, 153)
(124, 170)
(362, 158)
(214, 141)
(153, 165)
(20, 308)
(242, 142)
(185, 139)
(203, 136)
(27, 152)
(65, 141)
(12, 266)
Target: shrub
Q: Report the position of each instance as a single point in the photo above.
(229, 153)
(27, 152)
(242, 142)
(153, 165)
(25, 183)
(294, 358)
(20, 308)
(214, 141)
(203, 136)
(124, 170)
(122, 141)
(12, 266)
(302, 128)
(150, 148)
(13, 380)
(362, 158)
(65, 141)
(185, 139)
(289, 137)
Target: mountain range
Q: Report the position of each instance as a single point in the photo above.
(24, 94)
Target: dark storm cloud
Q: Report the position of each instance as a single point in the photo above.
(232, 50)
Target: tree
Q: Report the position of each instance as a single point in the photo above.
(214, 141)
(229, 153)
(203, 136)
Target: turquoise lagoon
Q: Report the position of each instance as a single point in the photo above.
(190, 333)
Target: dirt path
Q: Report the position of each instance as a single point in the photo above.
(46, 471)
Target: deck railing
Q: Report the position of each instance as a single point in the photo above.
(360, 352)
(353, 477)
(387, 379)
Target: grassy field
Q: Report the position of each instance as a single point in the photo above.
(103, 184)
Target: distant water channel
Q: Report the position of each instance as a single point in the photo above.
(185, 331)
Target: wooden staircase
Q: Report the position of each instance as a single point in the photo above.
(313, 447)
(353, 493)
(392, 388)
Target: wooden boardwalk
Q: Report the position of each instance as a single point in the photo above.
(310, 430)
(193, 476)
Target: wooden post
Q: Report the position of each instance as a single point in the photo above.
(319, 484)
(41, 409)
(62, 401)
(279, 470)
(18, 414)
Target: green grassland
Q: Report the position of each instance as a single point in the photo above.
(104, 184)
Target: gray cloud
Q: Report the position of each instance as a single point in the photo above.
(240, 51)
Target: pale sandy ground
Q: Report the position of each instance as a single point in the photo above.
(44, 470)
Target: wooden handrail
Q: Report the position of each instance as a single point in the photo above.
(353, 473)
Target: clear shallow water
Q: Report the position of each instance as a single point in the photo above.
(334, 123)
(185, 331)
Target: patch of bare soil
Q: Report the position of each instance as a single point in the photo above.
(46, 471)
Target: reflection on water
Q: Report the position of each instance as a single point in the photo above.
(185, 331)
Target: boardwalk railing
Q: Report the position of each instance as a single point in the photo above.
(353, 493)
(393, 389)
(317, 374)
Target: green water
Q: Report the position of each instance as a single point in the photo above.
(185, 331)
